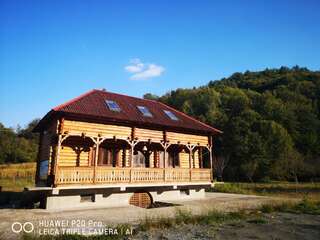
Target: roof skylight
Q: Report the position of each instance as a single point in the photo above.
(145, 111)
(171, 115)
(113, 106)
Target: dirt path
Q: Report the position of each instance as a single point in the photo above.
(131, 215)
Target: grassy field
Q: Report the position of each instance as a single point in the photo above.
(298, 191)
(14, 177)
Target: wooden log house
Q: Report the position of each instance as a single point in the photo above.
(106, 140)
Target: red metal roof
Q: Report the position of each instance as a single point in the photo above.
(92, 106)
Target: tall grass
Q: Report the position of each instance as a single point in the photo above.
(17, 170)
(14, 177)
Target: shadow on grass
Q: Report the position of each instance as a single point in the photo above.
(163, 204)
(19, 200)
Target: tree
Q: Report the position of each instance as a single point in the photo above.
(150, 96)
(18, 146)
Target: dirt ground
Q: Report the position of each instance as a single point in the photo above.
(133, 215)
(284, 226)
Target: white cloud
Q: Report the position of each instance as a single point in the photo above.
(143, 71)
(136, 66)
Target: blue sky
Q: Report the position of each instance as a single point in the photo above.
(52, 51)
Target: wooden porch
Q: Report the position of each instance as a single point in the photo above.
(110, 175)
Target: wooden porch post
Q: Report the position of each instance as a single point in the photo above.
(56, 160)
(165, 146)
(131, 155)
(164, 162)
(211, 164)
(190, 164)
(96, 156)
(132, 144)
(190, 148)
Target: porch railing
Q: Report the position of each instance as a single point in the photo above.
(108, 175)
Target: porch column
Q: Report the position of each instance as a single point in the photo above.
(165, 146)
(211, 156)
(164, 157)
(131, 155)
(132, 144)
(56, 159)
(190, 148)
(61, 138)
(96, 156)
(211, 165)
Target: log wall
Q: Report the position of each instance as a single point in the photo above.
(94, 129)
(184, 159)
(69, 157)
(146, 134)
(183, 138)
(123, 132)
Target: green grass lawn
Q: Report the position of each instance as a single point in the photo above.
(275, 189)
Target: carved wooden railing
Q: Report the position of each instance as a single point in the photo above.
(85, 175)
(71, 175)
(147, 175)
(112, 175)
(198, 174)
(177, 175)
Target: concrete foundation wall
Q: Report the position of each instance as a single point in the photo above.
(117, 199)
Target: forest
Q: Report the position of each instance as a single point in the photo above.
(270, 121)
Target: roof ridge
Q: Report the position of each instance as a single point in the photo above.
(144, 99)
(57, 108)
(194, 119)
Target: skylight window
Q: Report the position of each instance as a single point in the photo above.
(113, 106)
(145, 111)
(171, 115)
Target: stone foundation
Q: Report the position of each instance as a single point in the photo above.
(107, 200)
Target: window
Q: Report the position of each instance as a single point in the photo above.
(145, 111)
(113, 106)
(171, 115)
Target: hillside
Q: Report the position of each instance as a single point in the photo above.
(270, 119)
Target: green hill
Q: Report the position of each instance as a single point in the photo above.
(270, 119)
